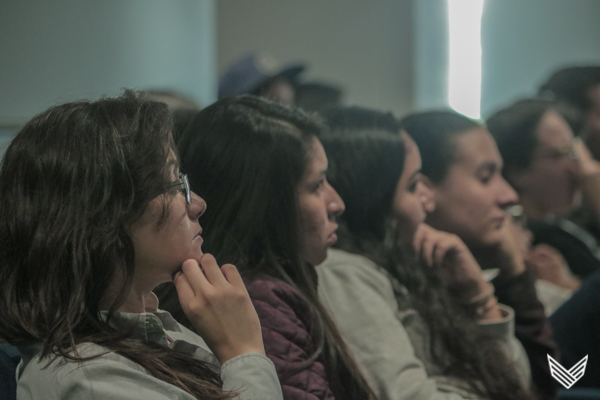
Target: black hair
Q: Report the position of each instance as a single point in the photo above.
(246, 156)
(433, 131)
(571, 85)
(355, 158)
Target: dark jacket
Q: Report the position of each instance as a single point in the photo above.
(576, 327)
(578, 246)
(285, 320)
(9, 359)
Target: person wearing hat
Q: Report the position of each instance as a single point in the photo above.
(261, 75)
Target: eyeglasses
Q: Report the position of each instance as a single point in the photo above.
(518, 215)
(566, 151)
(181, 184)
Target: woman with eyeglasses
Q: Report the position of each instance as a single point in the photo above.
(276, 217)
(95, 214)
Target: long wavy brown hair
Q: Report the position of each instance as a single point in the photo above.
(71, 183)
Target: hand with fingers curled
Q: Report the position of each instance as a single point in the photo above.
(216, 301)
(448, 252)
(549, 265)
(457, 265)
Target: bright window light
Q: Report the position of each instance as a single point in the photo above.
(464, 72)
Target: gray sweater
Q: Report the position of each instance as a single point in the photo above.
(389, 339)
(112, 376)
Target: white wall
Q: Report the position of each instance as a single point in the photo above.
(389, 54)
(523, 42)
(60, 50)
(430, 57)
(364, 46)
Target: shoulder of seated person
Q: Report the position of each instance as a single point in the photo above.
(63, 367)
(270, 289)
(341, 262)
(336, 258)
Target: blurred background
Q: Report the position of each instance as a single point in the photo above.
(398, 55)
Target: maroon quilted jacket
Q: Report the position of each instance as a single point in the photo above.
(284, 318)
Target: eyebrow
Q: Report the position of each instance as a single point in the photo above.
(416, 173)
(564, 148)
(488, 165)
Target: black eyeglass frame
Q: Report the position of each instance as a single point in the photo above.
(181, 184)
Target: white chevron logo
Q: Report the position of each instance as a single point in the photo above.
(567, 378)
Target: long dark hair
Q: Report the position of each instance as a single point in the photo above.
(248, 155)
(433, 132)
(72, 181)
(362, 145)
(571, 85)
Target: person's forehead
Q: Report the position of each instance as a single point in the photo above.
(317, 158)
(474, 148)
(409, 144)
(553, 131)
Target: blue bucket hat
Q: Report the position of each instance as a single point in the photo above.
(252, 71)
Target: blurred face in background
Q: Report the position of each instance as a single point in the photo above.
(549, 185)
(470, 201)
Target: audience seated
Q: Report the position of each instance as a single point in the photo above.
(462, 165)
(398, 308)
(412, 327)
(95, 214)
(265, 168)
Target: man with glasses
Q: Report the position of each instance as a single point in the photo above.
(552, 171)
